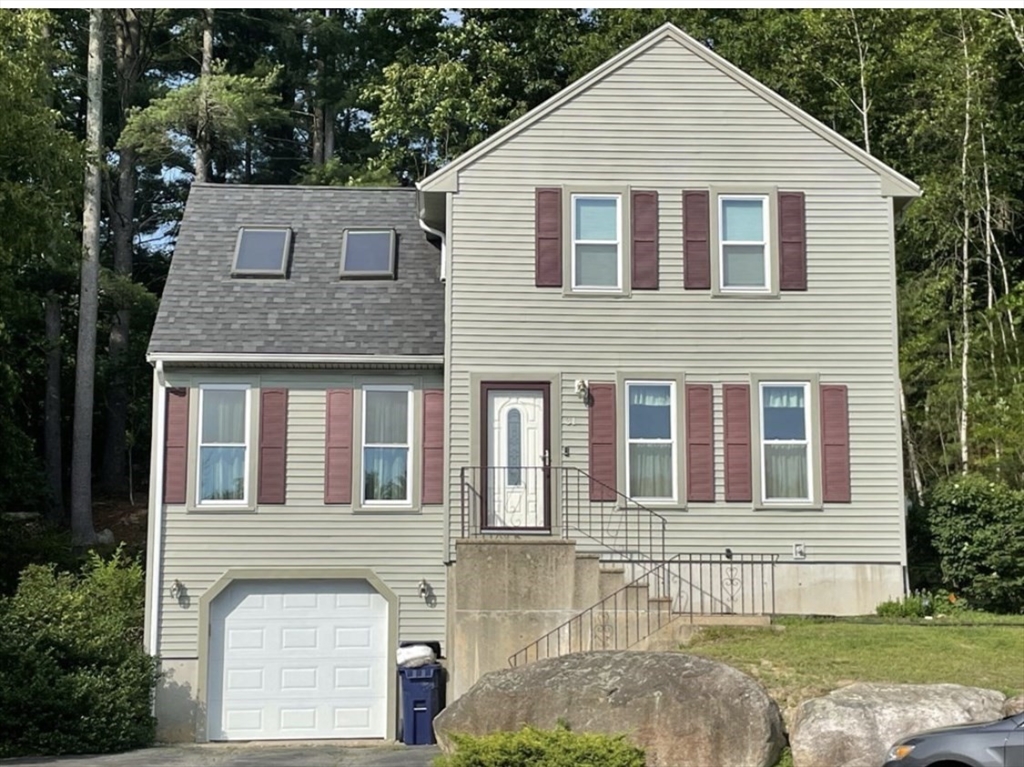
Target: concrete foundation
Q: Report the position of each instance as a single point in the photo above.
(177, 709)
(835, 589)
(508, 592)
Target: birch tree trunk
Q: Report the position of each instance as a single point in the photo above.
(202, 158)
(965, 267)
(82, 531)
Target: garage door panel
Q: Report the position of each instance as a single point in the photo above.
(298, 659)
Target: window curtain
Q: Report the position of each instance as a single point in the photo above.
(785, 471)
(650, 471)
(385, 469)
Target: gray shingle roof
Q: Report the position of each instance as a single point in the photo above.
(205, 310)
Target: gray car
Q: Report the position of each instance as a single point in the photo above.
(992, 744)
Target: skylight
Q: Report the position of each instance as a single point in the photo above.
(262, 252)
(368, 253)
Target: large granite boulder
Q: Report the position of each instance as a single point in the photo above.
(684, 711)
(1014, 705)
(855, 725)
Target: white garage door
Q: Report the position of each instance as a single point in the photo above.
(298, 659)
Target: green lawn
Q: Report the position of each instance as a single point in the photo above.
(801, 658)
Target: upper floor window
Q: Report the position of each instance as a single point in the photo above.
(785, 442)
(743, 243)
(596, 242)
(651, 440)
(368, 253)
(223, 445)
(387, 442)
(261, 252)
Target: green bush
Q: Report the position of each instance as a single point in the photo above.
(542, 748)
(978, 531)
(73, 675)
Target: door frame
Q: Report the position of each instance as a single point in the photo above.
(486, 387)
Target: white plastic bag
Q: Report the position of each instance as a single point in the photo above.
(415, 656)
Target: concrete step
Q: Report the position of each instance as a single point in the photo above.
(587, 588)
(727, 620)
(612, 579)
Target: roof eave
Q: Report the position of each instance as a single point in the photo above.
(308, 361)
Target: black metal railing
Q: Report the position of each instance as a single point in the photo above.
(687, 585)
(496, 499)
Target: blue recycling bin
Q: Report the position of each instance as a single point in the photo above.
(420, 703)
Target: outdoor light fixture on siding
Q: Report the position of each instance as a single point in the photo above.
(583, 389)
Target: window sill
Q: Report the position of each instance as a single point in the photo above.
(241, 509)
(654, 506)
(742, 296)
(358, 508)
(788, 507)
(591, 294)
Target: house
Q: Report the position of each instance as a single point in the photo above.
(642, 338)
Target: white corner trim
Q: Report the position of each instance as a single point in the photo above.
(199, 358)
(157, 510)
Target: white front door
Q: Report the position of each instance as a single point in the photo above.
(298, 659)
(516, 474)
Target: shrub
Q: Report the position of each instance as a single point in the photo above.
(73, 675)
(542, 748)
(978, 531)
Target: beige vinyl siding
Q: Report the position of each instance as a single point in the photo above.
(402, 548)
(668, 121)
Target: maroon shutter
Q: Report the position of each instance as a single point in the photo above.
(835, 444)
(696, 240)
(176, 446)
(273, 436)
(548, 231)
(602, 442)
(792, 242)
(645, 240)
(433, 446)
(736, 404)
(338, 457)
(700, 443)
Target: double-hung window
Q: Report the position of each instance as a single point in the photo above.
(651, 440)
(596, 242)
(387, 440)
(744, 258)
(785, 442)
(223, 445)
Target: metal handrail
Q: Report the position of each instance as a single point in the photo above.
(627, 529)
(685, 585)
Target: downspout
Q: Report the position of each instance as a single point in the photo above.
(444, 248)
(160, 426)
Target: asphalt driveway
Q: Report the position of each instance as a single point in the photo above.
(247, 755)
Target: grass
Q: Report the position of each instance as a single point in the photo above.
(805, 658)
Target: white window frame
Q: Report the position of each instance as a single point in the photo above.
(807, 442)
(247, 415)
(576, 288)
(673, 439)
(765, 243)
(409, 468)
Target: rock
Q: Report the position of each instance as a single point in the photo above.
(855, 726)
(105, 537)
(1013, 706)
(684, 711)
